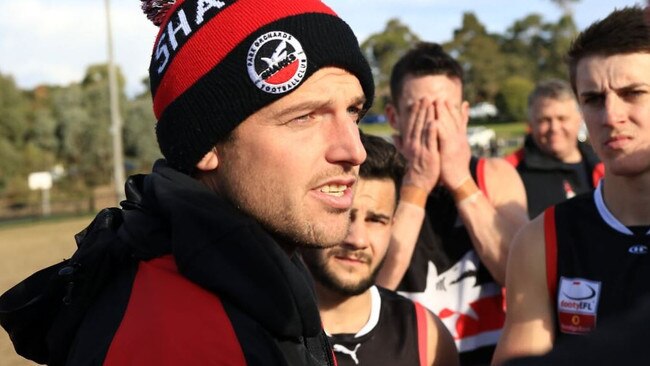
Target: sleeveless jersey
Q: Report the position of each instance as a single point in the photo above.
(596, 267)
(395, 334)
(446, 276)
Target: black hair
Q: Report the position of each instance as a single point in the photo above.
(383, 161)
(624, 31)
(424, 59)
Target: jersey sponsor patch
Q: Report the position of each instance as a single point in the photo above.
(577, 305)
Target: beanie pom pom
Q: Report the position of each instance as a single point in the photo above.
(156, 9)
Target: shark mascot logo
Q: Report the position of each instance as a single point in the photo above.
(472, 311)
(276, 62)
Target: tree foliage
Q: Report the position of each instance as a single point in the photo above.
(70, 126)
(512, 100)
(382, 51)
(480, 56)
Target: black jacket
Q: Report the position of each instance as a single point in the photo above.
(548, 180)
(172, 229)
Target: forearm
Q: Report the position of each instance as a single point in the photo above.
(490, 230)
(406, 229)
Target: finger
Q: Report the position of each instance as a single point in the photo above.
(456, 115)
(407, 134)
(428, 126)
(433, 135)
(442, 120)
(421, 116)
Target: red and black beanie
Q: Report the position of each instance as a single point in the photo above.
(216, 62)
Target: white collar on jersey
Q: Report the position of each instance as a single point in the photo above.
(606, 214)
(375, 306)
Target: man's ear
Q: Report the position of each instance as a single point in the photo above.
(210, 161)
(391, 114)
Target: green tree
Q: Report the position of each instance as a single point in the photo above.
(13, 112)
(140, 145)
(481, 58)
(565, 5)
(382, 51)
(512, 100)
(14, 109)
(84, 126)
(535, 49)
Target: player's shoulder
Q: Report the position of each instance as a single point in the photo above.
(392, 296)
(496, 166)
(502, 181)
(528, 245)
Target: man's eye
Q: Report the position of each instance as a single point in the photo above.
(633, 94)
(377, 220)
(592, 100)
(303, 118)
(356, 113)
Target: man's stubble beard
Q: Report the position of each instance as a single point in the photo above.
(327, 278)
(287, 222)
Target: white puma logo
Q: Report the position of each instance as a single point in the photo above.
(353, 354)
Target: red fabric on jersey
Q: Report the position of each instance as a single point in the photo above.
(550, 240)
(421, 316)
(480, 176)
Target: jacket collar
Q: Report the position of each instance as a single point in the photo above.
(220, 249)
(535, 158)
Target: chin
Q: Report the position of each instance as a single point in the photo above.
(628, 166)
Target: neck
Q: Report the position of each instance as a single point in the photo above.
(628, 198)
(343, 314)
(572, 157)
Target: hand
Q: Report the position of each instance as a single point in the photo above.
(418, 143)
(452, 142)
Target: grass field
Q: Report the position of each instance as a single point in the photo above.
(25, 248)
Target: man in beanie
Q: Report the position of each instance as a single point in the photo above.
(583, 263)
(257, 105)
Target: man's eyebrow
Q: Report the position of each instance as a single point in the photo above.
(316, 104)
(377, 215)
(358, 100)
(590, 93)
(304, 106)
(594, 93)
(631, 87)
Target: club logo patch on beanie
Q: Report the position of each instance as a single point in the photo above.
(276, 62)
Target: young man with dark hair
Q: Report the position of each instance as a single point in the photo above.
(584, 262)
(553, 164)
(367, 324)
(257, 105)
(473, 206)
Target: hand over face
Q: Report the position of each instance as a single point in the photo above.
(418, 143)
(452, 143)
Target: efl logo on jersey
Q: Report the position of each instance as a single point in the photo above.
(577, 305)
(276, 62)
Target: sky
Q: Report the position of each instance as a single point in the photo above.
(54, 41)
